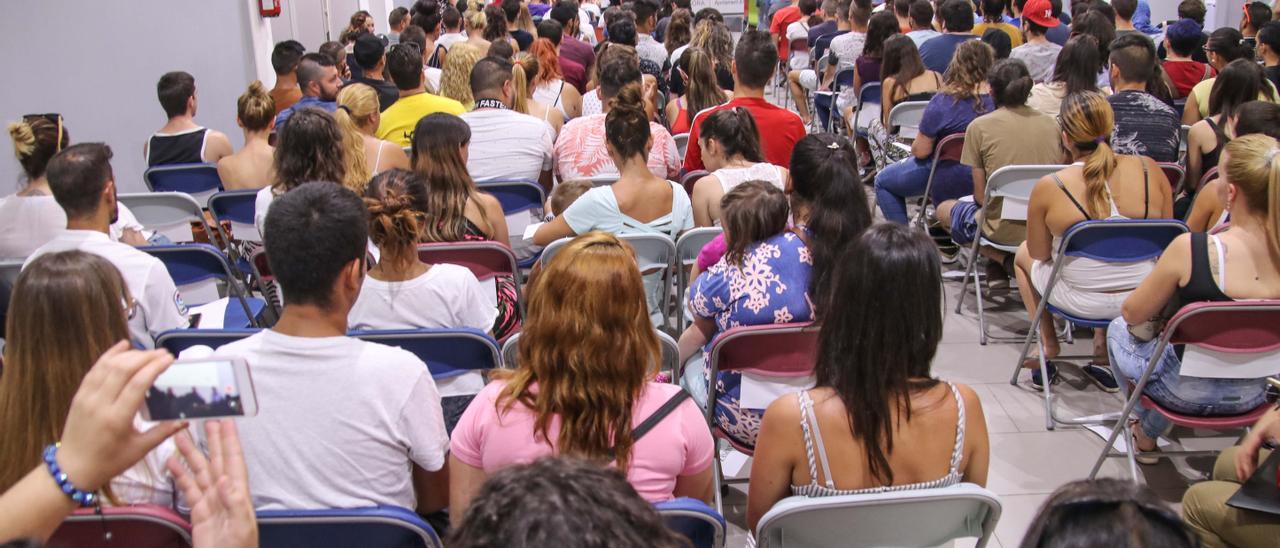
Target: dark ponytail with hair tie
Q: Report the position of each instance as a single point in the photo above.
(736, 131)
(626, 126)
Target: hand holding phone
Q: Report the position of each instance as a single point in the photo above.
(202, 389)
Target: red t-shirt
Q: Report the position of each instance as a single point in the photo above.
(778, 27)
(779, 128)
(1186, 74)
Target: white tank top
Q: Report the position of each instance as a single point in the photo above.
(731, 177)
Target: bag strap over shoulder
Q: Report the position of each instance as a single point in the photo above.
(656, 418)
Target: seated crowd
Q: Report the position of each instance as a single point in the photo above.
(649, 119)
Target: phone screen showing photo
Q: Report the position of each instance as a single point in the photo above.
(195, 390)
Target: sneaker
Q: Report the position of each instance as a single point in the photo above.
(997, 278)
(1102, 377)
(1037, 380)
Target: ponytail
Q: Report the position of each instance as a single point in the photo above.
(357, 104)
(735, 130)
(1087, 120)
(821, 167)
(1098, 168)
(520, 82)
(548, 61)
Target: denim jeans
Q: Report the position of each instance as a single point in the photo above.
(1187, 395)
(907, 178)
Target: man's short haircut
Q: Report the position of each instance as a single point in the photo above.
(397, 16)
(1106, 10)
(451, 17)
(644, 9)
(1193, 10)
(77, 176)
(922, 14)
(623, 31)
(311, 68)
(285, 56)
(404, 64)
(860, 11)
(489, 74)
(956, 15)
(1269, 35)
(755, 58)
(368, 51)
(551, 30)
(413, 34)
(1135, 56)
(173, 89)
(510, 9)
(1125, 8)
(618, 71)
(316, 230)
(564, 13)
(902, 8)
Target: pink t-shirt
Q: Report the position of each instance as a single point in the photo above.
(680, 445)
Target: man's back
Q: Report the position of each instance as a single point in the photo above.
(399, 120)
(339, 422)
(506, 144)
(285, 98)
(159, 305)
(779, 129)
(938, 51)
(1145, 126)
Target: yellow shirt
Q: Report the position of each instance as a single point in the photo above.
(400, 118)
(1015, 33)
(1205, 88)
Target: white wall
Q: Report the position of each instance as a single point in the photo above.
(97, 64)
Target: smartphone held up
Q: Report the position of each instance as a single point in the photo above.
(199, 389)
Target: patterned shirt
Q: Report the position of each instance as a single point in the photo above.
(1145, 126)
(580, 150)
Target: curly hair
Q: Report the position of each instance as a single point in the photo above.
(308, 148)
(455, 79)
(968, 71)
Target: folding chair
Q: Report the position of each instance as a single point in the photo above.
(948, 149)
(603, 180)
(688, 247)
(1204, 179)
(447, 352)
(670, 353)
(1013, 185)
(843, 79)
(904, 123)
(777, 352)
(168, 213)
(196, 267)
(1182, 144)
(1224, 340)
(198, 180)
(1111, 241)
(919, 517)
(694, 520)
(1176, 176)
(236, 208)
(487, 260)
(656, 254)
(380, 526)
(9, 270)
(869, 98)
(177, 340)
(263, 277)
(822, 103)
(682, 142)
(691, 178)
(139, 525)
(523, 203)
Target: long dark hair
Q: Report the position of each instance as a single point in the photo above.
(880, 28)
(901, 60)
(1078, 64)
(824, 172)
(1239, 82)
(735, 130)
(438, 139)
(881, 329)
(1107, 512)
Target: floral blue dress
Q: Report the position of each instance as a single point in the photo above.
(770, 286)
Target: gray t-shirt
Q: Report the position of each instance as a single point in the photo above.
(1039, 58)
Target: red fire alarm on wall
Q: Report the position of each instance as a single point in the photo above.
(269, 8)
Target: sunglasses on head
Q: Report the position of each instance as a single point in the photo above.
(52, 118)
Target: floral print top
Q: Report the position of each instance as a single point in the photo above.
(580, 150)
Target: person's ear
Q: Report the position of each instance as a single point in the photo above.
(352, 278)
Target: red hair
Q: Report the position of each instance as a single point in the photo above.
(548, 61)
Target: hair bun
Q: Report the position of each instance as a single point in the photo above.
(24, 139)
(629, 100)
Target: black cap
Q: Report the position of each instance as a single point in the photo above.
(368, 49)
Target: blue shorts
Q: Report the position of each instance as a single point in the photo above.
(964, 222)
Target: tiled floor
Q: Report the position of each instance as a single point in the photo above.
(1027, 461)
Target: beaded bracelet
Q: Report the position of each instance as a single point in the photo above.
(83, 498)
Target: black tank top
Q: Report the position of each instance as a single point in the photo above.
(1201, 287)
(177, 148)
(1211, 158)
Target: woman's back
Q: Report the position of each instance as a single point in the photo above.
(1137, 189)
(383, 155)
(248, 168)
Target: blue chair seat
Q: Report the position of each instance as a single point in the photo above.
(1087, 322)
(380, 527)
(234, 317)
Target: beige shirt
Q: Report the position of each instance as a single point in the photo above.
(1009, 136)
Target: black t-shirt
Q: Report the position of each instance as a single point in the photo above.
(522, 38)
(1145, 125)
(1273, 74)
(387, 92)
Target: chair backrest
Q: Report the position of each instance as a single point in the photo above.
(843, 78)
(868, 105)
(682, 142)
(378, 527)
(447, 352)
(949, 148)
(1120, 241)
(261, 267)
(692, 242)
(515, 195)
(146, 526)
(923, 517)
(773, 359)
(1013, 185)
(907, 117)
(691, 178)
(694, 520)
(670, 352)
(198, 180)
(603, 180)
(1232, 340)
(169, 213)
(191, 264)
(177, 340)
(1208, 176)
(237, 207)
(9, 270)
(1175, 174)
(1183, 132)
(484, 259)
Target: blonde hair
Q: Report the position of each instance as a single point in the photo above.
(36, 140)
(520, 70)
(255, 108)
(588, 346)
(1087, 120)
(455, 80)
(357, 105)
(567, 192)
(1253, 167)
(476, 20)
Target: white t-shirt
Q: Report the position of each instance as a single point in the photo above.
(651, 49)
(28, 222)
(446, 296)
(591, 104)
(261, 204)
(506, 144)
(160, 306)
(847, 48)
(448, 39)
(339, 422)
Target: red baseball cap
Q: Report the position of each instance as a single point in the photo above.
(1040, 12)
